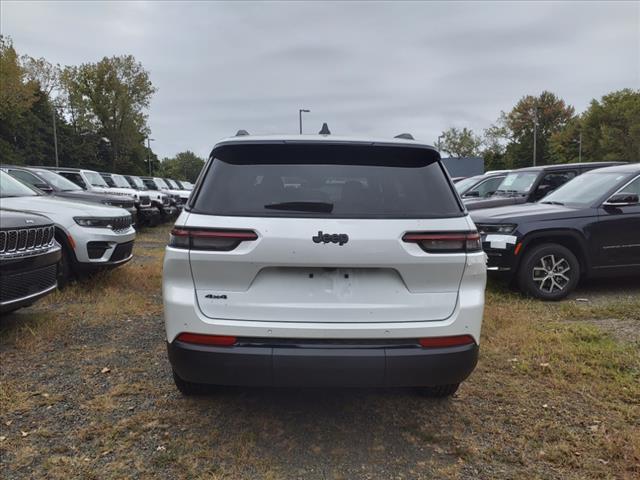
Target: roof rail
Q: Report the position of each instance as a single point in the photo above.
(325, 129)
(242, 133)
(406, 136)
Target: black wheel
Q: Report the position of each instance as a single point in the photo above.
(549, 272)
(439, 391)
(65, 271)
(189, 388)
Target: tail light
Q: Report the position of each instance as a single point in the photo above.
(455, 242)
(216, 240)
(200, 339)
(440, 342)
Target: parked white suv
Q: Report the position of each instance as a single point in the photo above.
(179, 196)
(323, 261)
(92, 236)
(92, 181)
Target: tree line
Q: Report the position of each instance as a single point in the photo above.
(92, 115)
(546, 128)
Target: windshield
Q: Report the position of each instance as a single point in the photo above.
(161, 183)
(120, 181)
(58, 181)
(330, 181)
(10, 187)
(137, 183)
(171, 183)
(95, 179)
(585, 189)
(463, 185)
(517, 182)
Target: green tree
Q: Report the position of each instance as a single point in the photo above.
(550, 113)
(611, 127)
(110, 98)
(16, 94)
(565, 145)
(184, 166)
(460, 143)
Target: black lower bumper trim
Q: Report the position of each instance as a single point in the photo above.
(322, 367)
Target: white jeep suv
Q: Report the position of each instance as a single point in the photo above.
(323, 261)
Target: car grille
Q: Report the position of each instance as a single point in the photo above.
(121, 224)
(122, 251)
(145, 201)
(123, 204)
(165, 201)
(26, 240)
(24, 284)
(180, 200)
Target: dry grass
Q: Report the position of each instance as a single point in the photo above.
(85, 392)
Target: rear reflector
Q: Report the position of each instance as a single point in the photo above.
(217, 240)
(438, 342)
(454, 242)
(200, 339)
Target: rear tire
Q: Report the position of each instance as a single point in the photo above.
(189, 389)
(439, 391)
(549, 272)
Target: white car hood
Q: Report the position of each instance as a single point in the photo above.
(54, 207)
(117, 191)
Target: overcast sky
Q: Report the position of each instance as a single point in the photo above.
(365, 68)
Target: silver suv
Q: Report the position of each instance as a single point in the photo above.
(91, 236)
(323, 261)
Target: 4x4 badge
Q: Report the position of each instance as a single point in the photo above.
(339, 238)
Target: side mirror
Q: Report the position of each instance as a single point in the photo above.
(622, 200)
(472, 193)
(44, 187)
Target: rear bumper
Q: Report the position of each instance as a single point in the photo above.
(322, 366)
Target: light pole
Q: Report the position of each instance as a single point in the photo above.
(149, 140)
(535, 134)
(439, 137)
(300, 112)
(579, 142)
(55, 133)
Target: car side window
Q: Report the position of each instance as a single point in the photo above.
(552, 181)
(26, 177)
(109, 181)
(633, 187)
(488, 187)
(75, 178)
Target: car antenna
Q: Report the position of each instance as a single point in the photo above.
(325, 129)
(242, 133)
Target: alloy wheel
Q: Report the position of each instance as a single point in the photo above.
(551, 273)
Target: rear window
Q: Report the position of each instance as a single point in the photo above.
(333, 181)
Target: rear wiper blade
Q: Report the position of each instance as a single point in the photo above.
(321, 207)
(551, 202)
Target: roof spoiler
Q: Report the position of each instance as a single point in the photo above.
(405, 136)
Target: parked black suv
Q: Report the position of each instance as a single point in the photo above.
(531, 184)
(590, 227)
(29, 257)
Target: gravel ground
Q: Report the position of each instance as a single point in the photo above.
(87, 393)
